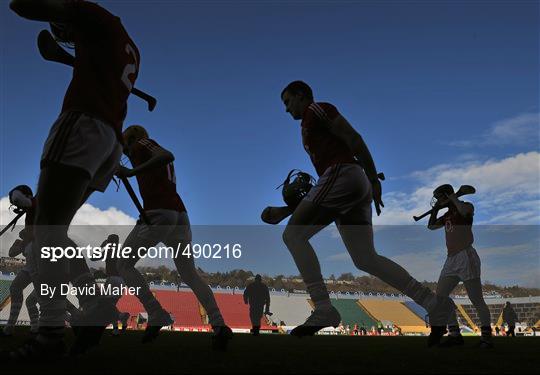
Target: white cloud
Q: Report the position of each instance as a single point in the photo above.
(515, 130)
(90, 225)
(508, 190)
(521, 129)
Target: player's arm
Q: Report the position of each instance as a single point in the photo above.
(465, 209)
(246, 292)
(342, 129)
(17, 248)
(42, 10)
(435, 222)
(159, 157)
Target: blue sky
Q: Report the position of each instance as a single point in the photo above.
(440, 91)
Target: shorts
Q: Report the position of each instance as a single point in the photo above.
(167, 226)
(80, 140)
(341, 188)
(465, 265)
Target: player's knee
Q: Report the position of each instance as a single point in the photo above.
(365, 262)
(292, 238)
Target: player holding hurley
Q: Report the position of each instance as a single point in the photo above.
(462, 263)
(168, 223)
(348, 183)
(22, 198)
(80, 156)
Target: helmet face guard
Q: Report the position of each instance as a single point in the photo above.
(62, 33)
(296, 186)
(441, 192)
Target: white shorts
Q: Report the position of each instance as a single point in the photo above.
(167, 226)
(465, 265)
(80, 140)
(343, 187)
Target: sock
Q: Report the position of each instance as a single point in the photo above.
(319, 295)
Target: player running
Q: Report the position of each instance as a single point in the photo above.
(462, 263)
(80, 156)
(348, 183)
(169, 224)
(22, 198)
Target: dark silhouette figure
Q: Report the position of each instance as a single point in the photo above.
(462, 263)
(258, 296)
(509, 317)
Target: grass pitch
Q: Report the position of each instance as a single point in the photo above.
(175, 352)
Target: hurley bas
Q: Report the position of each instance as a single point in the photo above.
(107, 290)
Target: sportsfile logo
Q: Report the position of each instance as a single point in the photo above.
(117, 251)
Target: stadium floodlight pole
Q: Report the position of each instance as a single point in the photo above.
(51, 51)
(12, 223)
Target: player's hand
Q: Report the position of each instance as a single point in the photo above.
(377, 195)
(122, 172)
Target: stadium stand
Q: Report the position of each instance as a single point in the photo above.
(395, 312)
(292, 310)
(184, 307)
(526, 312)
(4, 291)
(417, 309)
(352, 313)
(235, 312)
(464, 317)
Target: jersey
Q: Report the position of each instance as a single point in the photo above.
(324, 148)
(106, 65)
(458, 230)
(157, 185)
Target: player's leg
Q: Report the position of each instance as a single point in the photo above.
(132, 277)
(357, 234)
(144, 236)
(186, 268)
(255, 315)
(180, 237)
(21, 281)
(474, 291)
(445, 286)
(33, 312)
(306, 221)
(60, 190)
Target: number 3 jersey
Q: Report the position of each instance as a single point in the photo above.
(156, 185)
(106, 65)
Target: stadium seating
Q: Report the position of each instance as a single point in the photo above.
(4, 291)
(417, 309)
(526, 312)
(352, 313)
(184, 307)
(395, 312)
(235, 312)
(292, 310)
